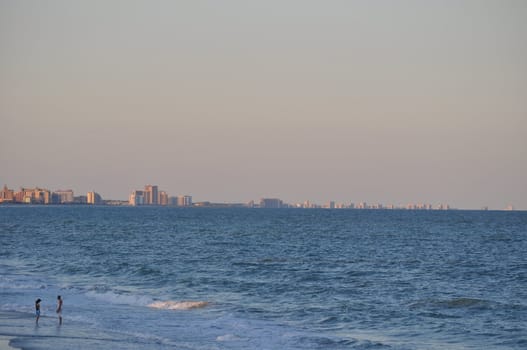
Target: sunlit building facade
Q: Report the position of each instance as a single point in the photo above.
(151, 195)
(137, 198)
(93, 198)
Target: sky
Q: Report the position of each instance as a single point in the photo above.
(390, 102)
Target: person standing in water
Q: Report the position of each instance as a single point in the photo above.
(59, 309)
(37, 309)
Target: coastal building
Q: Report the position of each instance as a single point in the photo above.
(151, 195)
(80, 200)
(7, 195)
(33, 196)
(271, 203)
(163, 198)
(64, 196)
(362, 205)
(172, 201)
(137, 198)
(330, 205)
(43, 196)
(184, 201)
(93, 198)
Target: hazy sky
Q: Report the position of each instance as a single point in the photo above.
(376, 101)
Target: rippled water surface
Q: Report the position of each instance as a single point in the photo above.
(273, 279)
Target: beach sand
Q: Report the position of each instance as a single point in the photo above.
(18, 331)
(4, 343)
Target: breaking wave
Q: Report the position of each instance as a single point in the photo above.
(114, 298)
(129, 299)
(178, 305)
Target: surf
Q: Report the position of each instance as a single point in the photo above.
(178, 305)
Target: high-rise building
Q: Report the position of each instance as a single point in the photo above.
(64, 196)
(172, 201)
(362, 205)
(43, 196)
(33, 196)
(137, 198)
(7, 195)
(93, 198)
(151, 195)
(163, 198)
(271, 203)
(184, 201)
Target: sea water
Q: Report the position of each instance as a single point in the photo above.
(198, 278)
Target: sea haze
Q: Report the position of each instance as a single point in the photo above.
(160, 278)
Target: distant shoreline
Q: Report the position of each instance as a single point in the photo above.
(199, 205)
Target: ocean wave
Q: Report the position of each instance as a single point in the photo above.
(336, 343)
(115, 298)
(465, 302)
(454, 303)
(178, 305)
(15, 285)
(17, 308)
(8, 283)
(227, 338)
(140, 300)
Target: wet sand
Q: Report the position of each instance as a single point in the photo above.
(19, 331)
(4, 343)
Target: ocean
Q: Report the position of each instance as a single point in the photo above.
(204, 278)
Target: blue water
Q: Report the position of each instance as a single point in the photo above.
(272, 279)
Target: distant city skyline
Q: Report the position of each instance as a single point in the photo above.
(378, 101)
(151, 195)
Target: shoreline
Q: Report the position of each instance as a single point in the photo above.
(199, 205)
(19, 332)
(5, 341)
(12, 327)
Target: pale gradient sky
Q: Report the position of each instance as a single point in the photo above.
(377, 101)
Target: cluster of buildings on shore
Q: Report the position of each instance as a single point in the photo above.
(278, 203)
(39, 195)
(151, 195)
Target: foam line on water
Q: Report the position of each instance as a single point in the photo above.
(178, 305)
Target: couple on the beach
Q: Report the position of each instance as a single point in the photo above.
(59, 308)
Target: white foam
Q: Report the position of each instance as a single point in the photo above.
(8, 283)
(138, 300)
(227, 337)
(178, 305)
(17, 307)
